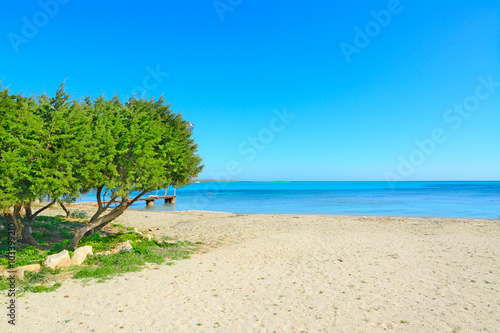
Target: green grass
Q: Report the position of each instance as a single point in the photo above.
(4, 284)
(144, 251)
(29, 255)
(43, 289)
(121, 226)
(105, 266)
(26, 256)
(58, 247)
(52, 232)
(106, 243)
(43, 281)
(78, 214)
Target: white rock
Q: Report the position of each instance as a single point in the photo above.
(4, 272)
(125, 247)
(80, 254)
(31, 268)
(20, 273)
(17, 272)
(57, 260)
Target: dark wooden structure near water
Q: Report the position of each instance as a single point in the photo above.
(150, 199)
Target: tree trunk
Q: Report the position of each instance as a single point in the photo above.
(27, 232)
(29, 212)
(68, 213)
(23, 233)
(18, 225)
(28, 236)
(40, 210)
(97, 222)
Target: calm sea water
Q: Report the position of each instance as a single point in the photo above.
(437, 199)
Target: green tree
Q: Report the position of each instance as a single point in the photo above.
(20, 131)
(55, 169)
(135, 148)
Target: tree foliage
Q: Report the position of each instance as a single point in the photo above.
(57, 149)
(62, 145)
(19, 141)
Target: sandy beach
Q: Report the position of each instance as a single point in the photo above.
(285, 273)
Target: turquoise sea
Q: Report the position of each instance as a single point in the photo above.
(429, 198)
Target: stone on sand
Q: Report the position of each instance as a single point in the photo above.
(125, 247)
(81, 254)
(57, 260)
(31, 268)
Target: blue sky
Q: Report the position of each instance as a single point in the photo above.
(285, 90)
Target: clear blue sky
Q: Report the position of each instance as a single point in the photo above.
(359, 101)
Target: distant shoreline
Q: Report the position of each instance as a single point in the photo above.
(238, 181)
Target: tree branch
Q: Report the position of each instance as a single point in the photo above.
(99, 204)
(42, 209)
(65, 209)
(98, 223)
(109, 203)
(98, 196)
(105, 194)
(137, 197)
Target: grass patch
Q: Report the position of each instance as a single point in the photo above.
(123, 227)
(52, 232)
(43, 289)
(78, 214)
(4, 284)
(43, 281)
(102, 243)
(144, 251)
(26, 256)
(104, 266)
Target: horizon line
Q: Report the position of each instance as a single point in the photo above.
(289, 181)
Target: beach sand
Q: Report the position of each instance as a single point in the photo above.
(285, 273)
